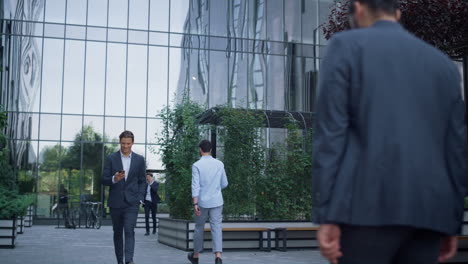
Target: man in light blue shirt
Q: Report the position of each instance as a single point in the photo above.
(208, 179)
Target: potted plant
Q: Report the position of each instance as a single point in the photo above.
(12, 208)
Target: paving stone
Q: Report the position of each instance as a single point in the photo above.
(49, 245)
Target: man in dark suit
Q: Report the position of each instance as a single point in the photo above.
(151, 202)
(124, 172)
(389, 145)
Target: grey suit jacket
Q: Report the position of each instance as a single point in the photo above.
(131, 191)
(389, 142)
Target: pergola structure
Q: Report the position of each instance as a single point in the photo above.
(273, 119)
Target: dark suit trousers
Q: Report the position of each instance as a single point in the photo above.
(124, 221)
(389, 245)
(153, 208)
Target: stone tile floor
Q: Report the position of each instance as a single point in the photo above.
(49, 245)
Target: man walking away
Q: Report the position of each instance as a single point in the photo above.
(389, 161)
(208, 179)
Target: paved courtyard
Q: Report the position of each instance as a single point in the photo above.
(48, 245)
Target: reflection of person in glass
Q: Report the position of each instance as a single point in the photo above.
(63, 205)
(124, 172)
(151, 202)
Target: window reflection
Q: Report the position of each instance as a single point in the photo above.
(157, 80)
(55, 11)
(159, 15)
(136, 81)
(76, 12)
(179, 15)
(218, 78)
(116, 70)
(118, 13)
(52, 76)
(94, 81)
(73, 77)
(138, 127)
(139, 14)
(244, 53)
(97, 12)
(71, 127)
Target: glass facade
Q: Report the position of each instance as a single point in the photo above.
(76, 73)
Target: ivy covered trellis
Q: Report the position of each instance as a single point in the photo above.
(265, 182)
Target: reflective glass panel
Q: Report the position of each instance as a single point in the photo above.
(76, 12)
(71, 127)
(118, 13)
(157, 80)
(74, 77)
(139, 14)
(95, 78)
(50, 127)
(52, 76)
(116, 70)
(136, 82)
(138, 127)
(97, 12)
(159, 15)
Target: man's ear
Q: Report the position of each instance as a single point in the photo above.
(398, 14)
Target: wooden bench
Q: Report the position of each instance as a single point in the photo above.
(284, 235)
(259, 230)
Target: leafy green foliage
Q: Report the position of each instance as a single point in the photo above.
(284, 191)
(243, 158)
(441, 23)
(12, 203)
(179, 148)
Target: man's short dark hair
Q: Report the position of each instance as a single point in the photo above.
(385, 6)
(149, 174)
(205, 146)
(127, 134)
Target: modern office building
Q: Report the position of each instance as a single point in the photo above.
(76, 73)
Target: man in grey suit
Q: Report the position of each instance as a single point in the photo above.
(208, 179)
(124, 172)
(389, 145)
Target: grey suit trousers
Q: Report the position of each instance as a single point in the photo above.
(216, 218)
(124, 221)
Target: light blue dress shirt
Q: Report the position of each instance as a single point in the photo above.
(208, 179)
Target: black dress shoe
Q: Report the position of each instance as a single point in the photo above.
(147, 234)
(192, 259)
(130, 262)
(218, 261)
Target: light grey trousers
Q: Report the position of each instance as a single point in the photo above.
(216, 218)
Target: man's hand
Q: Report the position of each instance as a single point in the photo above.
(197, 210)
(119, 176)
(329, 242)
(448, 249)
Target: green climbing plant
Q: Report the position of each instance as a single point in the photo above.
(284, 190)
(179, 150)
(243, 156)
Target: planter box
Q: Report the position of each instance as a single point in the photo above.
(7, 233)
(179, 234)
(20, 225)
(28, 218)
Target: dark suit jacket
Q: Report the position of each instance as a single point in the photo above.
(155, 199)
(389, 143)
(131, 191)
